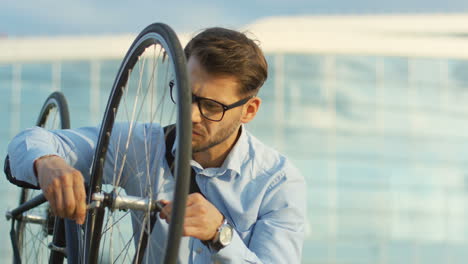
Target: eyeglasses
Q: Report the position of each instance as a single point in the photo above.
(209, 108)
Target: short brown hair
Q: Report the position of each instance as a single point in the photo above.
(225, 51)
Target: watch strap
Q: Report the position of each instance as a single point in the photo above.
(216, 244)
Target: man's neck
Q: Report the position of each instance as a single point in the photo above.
(215, 156)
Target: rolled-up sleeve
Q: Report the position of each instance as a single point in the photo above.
(75, 146)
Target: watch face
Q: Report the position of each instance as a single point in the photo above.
(225, 235)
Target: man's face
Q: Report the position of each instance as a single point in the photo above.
(207, 134)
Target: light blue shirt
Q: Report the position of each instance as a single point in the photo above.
(259, 192)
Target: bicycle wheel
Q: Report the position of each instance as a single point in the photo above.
(35, 229)
(129, 147)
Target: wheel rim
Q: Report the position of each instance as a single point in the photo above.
(139, 106)
(34, 238)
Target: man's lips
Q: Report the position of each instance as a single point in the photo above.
(196, 130)
(196, 133)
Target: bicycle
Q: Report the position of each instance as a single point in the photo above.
(151, 76)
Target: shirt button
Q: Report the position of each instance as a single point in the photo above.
(199, 250)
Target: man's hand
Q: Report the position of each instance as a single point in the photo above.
(202, 219)
(63, 187)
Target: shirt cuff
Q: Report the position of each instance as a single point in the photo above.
(29, 174)
(232, 253)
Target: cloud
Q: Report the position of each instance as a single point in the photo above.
(48, 17)
(88, 17)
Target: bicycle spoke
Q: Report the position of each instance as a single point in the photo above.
(33, 238)
(142, 106)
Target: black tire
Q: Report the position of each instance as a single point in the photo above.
(55, 100)
(171, 57)
(33, 239)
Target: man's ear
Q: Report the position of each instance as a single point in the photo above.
(250, 109)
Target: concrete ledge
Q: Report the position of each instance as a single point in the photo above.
(433, 35)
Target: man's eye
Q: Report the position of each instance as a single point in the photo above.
(211, 106)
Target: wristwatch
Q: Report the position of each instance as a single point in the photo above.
(223, 236)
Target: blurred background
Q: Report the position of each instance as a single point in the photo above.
(368, 98)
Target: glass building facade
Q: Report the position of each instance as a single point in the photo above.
(381, 141)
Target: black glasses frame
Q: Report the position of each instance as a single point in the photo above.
(198, 99)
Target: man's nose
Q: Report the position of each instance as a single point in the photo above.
(196, 115)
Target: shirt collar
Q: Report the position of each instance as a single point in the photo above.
(237, 154)
(233, 160)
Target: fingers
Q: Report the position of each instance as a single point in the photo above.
(51, 198)
(190, 231)
(199, 227)
(63, 187)
(195, 210)
(166, 212)
(194, 198)
(57, 196)
(194, 206)
(165, 202)
(69, 205)
(80, 196)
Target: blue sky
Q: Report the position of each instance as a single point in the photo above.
(70, 17)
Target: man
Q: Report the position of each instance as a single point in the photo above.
(261, 197)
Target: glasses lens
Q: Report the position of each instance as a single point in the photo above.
(211, 109)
